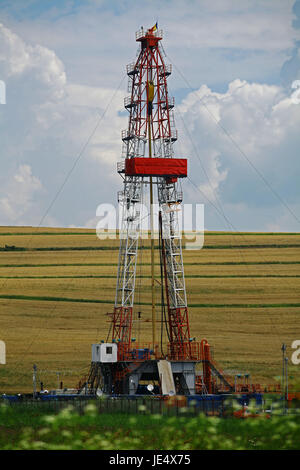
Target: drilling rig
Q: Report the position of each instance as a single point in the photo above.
(121, 365)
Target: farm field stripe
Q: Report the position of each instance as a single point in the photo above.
(53, 299)
(236, 234)
(190, 276)
(8, 234)
(100, 301)
(218, 263)
(92, 233)
(116, 248)
(245, 305)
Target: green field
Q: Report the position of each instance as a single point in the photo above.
(57, 286)
(39, 428)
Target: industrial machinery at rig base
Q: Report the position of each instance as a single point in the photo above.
(120, 365)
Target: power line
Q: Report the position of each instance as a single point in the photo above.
(230, 224)
(79, 156)
(82, 151)
(241, 151)
(219, 210)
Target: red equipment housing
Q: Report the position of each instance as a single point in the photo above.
(171, 167)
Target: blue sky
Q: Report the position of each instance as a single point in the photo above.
(233, 62)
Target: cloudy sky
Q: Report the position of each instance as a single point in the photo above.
(238, 117)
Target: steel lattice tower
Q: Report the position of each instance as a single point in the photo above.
(151, 124)
(149, 160)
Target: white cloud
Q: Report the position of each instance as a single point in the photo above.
(18, 58)
(212, 41)
(90, 103)
(47, 122)
(18, 199)
(61, 72)
(263, 125)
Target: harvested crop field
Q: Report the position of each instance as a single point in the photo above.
(57, 286)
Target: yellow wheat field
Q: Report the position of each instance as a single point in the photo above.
(243, 297)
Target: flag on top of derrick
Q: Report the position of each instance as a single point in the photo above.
(154, 28)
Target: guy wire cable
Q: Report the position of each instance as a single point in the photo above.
(241, 151)
(55, 198)
(79, 156)
(266, 308)
(217, 199)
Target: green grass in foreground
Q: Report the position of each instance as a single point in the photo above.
(35, 429)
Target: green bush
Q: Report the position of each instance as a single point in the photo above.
(27, 428)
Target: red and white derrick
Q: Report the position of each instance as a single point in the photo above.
(148, 158)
